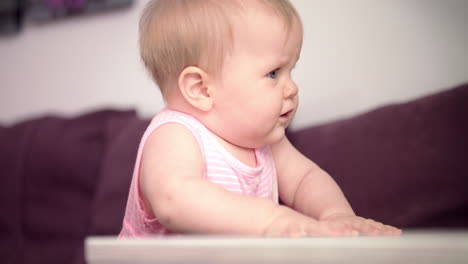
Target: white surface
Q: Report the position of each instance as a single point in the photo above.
(357, 55)
(412, 247)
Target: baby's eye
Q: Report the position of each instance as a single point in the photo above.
(273, 74)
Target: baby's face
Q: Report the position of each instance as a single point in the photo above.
(257, 97)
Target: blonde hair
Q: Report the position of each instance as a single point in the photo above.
(175, 34)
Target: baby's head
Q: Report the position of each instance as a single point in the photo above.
(228, 63)
(175, 34)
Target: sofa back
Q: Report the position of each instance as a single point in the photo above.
(403, 164)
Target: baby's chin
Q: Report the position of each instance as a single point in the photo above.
(258, 138)
(259, 142)
(276, 136)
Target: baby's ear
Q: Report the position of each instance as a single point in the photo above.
(193, 85)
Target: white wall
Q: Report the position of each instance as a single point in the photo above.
(357, 55)
(360, 54)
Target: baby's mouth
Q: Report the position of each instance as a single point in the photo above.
(287, 114)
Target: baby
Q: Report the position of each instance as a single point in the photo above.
(216, 160)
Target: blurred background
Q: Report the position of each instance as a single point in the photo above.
(73, 56)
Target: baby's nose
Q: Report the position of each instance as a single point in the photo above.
(290, 89)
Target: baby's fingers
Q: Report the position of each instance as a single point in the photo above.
(392, 231)
(332, 229)
(371, 227)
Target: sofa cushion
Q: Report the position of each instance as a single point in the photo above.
(403, 164)
(14, 143)
(123, 133)
(52, 251)
(50, 166)
(60, 171)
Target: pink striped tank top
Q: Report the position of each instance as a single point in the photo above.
(221, 167)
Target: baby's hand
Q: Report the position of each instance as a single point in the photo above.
(289, 223)
(359, 226)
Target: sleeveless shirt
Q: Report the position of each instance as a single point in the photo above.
(221, 168)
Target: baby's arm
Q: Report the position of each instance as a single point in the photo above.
(173, 187)
(308, 189)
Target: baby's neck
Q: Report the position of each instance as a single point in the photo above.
(244, 155)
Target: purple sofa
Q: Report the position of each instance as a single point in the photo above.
(66, 178)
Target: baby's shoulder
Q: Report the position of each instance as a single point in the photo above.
(170, 134)
(170, 142)
(167, 116)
